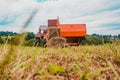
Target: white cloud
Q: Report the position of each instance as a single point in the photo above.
(94, 13)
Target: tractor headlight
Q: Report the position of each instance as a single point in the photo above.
(42, 31)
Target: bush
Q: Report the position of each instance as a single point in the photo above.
(96, 40)
(1, 40)
(30, 35)
(107, 40)
(93, 40)
(26, 39)
(19, 39)
(29, 42)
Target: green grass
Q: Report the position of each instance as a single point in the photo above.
(77, 63)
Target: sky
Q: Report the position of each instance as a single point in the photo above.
(100, 16)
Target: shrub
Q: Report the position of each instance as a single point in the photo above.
(93, 40)
(29, 42)
(1, 40)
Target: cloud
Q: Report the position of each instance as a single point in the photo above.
(100, 16)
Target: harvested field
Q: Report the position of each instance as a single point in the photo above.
(72, 63)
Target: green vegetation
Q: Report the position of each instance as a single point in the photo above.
(97, 40)
(28, 41)
(88, 62)
(1, 41)
(7, 33)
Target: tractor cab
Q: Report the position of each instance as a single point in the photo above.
(43, 29)
(41, 36)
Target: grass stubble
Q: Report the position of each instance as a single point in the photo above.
(100, 62)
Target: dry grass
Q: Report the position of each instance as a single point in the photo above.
(9, 53)
(72, 63)
(56, 42)
(53, 32)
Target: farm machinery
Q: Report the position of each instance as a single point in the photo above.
(56, 34)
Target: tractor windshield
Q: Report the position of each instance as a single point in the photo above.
(43, 29)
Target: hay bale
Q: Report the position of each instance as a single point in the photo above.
(56, 42)
(53, 32)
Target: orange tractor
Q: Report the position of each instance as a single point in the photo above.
(56, 33)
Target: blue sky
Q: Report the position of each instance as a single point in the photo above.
(100, 16)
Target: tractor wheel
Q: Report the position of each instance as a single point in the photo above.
(43, 42)
(37, 41)
(56, 42)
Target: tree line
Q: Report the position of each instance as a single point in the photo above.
(94, 39)
(9, 37)
(97, 39)
(7, 33)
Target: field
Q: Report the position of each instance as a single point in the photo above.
(89, 62)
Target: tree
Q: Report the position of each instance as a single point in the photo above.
(30, 35)
(97, 39)
(93, 40)
(7, 33)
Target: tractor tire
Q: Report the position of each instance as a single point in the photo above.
(37, 41)
(43, 42)
(37, 44)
